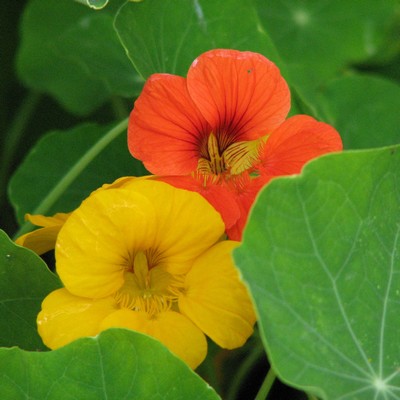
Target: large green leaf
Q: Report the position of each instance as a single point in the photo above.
(364, 109)
(166, 36)
(74, 54)
(65, 166)
(117, 364)
(25, 282)
(321, 255)
(318, 39)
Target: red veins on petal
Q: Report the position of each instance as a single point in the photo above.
(241, 94)
(222, 131)
(298, 140)
(165, 127)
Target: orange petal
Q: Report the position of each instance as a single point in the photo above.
(172, 329)
(216, 300)
(239, 92)
(298, 140)
(245, 188)
(165, 127)
(65, 317)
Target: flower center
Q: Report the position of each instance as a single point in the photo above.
(152, 290)
(234, 159)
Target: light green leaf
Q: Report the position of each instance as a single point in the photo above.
(65, 166)
(166, 36)
(321, 255)
(364, 109)
(117, 364)
(318, 39)
(25, 282)
(74, 54)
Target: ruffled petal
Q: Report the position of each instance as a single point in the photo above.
(46, 222)
(298, 140)
(215, 193)
(44, 239)
(172, 329)
(98, 242)
(240, 94)
(165, 128)
(65, 317)
(187, 224)
(216, 300)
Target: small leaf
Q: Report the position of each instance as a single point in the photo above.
(166, 36)
(25, 282)
(321, 255)
(117, 364)
(65, 166)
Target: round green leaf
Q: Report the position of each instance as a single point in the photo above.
(65, 166)
(25, 282)
(321, 255)
(117, 364)
(364, 109)
(74, 54)
(166, 36)
(319, 39)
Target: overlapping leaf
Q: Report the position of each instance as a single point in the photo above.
(73, 53)
(118, 364)
(321, 255)
(364, 109)
(167, 36)
(65, 166)
(318, 39)
(25, 282)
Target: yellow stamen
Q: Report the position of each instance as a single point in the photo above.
(241, 156)
(235, 159)
(151, 290)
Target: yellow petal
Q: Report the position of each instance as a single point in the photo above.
(216, 300)
(172, 329)
(99, 241)
(41, 220)
(65, 317)
(43, 239)
(187, 224)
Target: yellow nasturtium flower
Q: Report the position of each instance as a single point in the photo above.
(148, 257)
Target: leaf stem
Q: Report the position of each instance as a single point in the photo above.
(13, 137)
(266, 385)
(73, 173)
(244, 369)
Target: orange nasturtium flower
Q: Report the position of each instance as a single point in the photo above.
(223, 132)
(149, 257)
